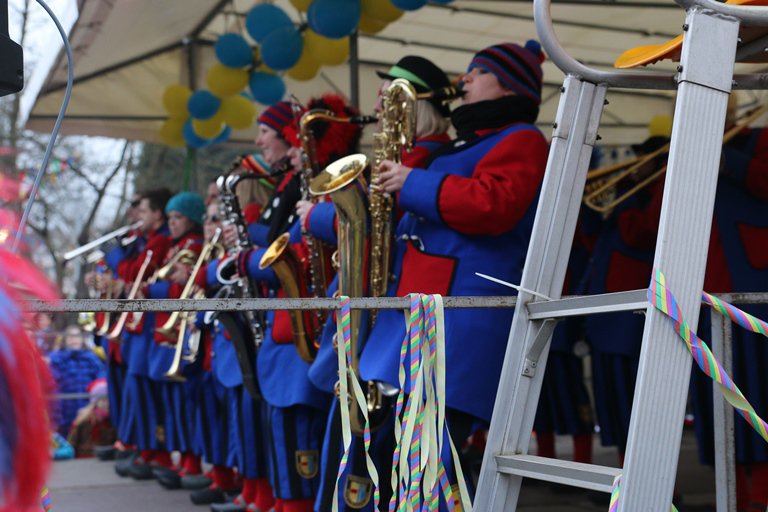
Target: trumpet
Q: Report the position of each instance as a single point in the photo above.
(603, 182)
(114, 334)
(74, 253)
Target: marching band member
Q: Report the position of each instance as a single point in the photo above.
(320, 220)
(275, 217)
(622, 260)
(139, 401)
(470, 210)
(185, 213)
(737, 263)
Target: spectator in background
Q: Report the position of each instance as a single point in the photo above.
(73, 368)
(92, 426)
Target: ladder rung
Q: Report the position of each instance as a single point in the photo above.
(574, 474)
(634, 300)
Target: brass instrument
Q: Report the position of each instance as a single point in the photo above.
(343, 181)
(114, 334)
(317, 265)
(603, 182)
(398, 132)
(290, 272)
(170, 326)
(74, 253)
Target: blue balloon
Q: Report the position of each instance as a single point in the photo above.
(267, 88)
(192, 139)
(203, 104)
(281, 49)
(233, 50)
(263, 19)
(409, 5)
(334, 19)
(223, 136)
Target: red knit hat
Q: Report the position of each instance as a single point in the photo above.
(333, 140)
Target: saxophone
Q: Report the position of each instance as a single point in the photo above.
(317, 265)
(398, 131)
(290, 272)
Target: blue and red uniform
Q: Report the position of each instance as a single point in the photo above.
(738, 262)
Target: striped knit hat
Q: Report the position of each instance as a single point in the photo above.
(518, 68)
(277, 116)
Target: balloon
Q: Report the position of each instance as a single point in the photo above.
(208, 128)
(301, 5)
(267, 88)
(175, 100)
(263, 19)
(660, 126)
(370, 25)
(224, 81)
(281, 49)
(238, 112)
(191, 138)
(382, 10)
(306, 68)
(203, 104)
(329, 52)
(334, 18)
(233, 50)
(223, 136)
(409, 5)
(172, 132)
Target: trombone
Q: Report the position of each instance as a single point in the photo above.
(604, 181)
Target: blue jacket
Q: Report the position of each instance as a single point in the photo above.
(470, 211)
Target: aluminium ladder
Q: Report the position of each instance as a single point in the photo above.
(703, 82)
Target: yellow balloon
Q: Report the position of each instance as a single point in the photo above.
(306, 68)
(328, 52)
(660, 126)
(172, 132)
(208, 128)
(224, 81)
(175, 99)
(370, 25)
(382, 10)
(238, 112)
(301, 5)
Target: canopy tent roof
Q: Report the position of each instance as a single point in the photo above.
(128, 51)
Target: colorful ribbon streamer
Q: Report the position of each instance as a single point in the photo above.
(419, 477)
(347, 375)
(742, 318)
(663, 300)
(45, 500)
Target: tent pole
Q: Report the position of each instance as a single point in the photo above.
(354, 72)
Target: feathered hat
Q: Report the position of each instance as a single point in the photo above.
(333, 140)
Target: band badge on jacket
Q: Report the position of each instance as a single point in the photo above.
(307, 463)
(357, 491)
(160, 433)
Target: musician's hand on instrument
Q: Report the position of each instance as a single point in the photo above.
(229, 235)
(90, 279)
(302, 209)
(392, 176)
(180, 274)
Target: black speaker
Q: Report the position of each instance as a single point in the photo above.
(11, 57)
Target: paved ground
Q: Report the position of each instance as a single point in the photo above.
(93, 486)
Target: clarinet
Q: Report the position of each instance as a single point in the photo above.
(231, 212)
